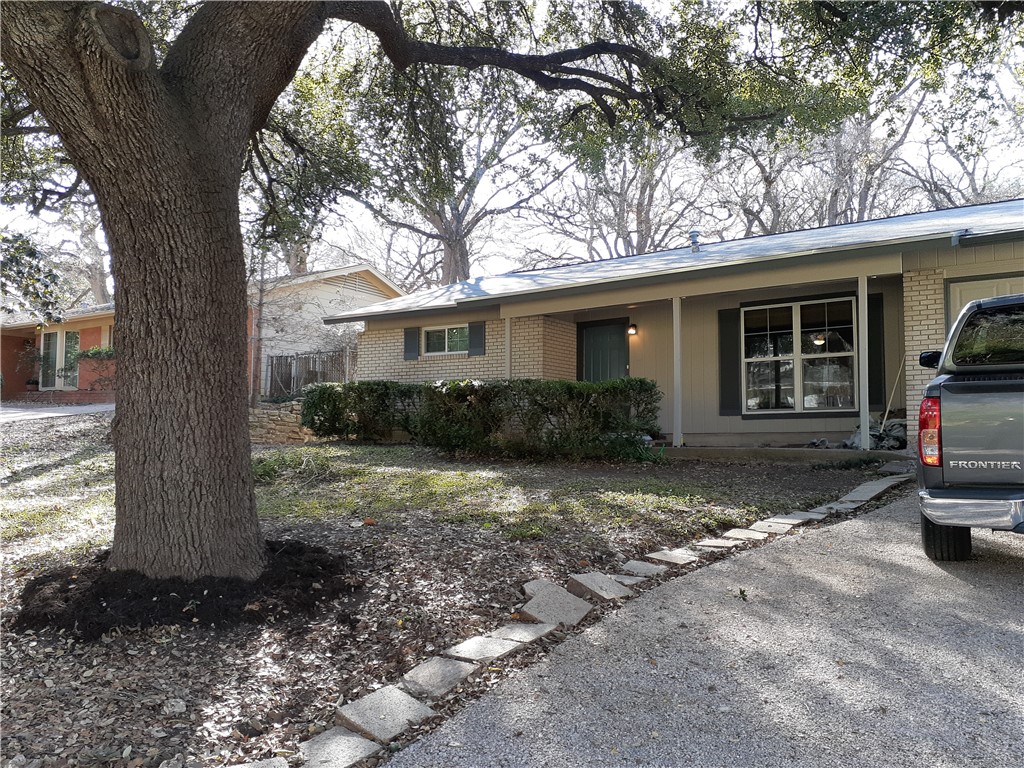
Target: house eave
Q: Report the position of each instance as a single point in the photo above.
(655, 275)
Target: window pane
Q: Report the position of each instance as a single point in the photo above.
(826, 327)
(71, 344)
(755, 321)
(433, 341)
(828, 383)
(782, 343)
(756, 345)
(840, 339)
(458, 339)
(840, 313)
(48, 365)
(823, 342)
(770, 385)
(812, 317)
(780, 319)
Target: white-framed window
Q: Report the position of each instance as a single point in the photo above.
(440, 341)
(58, 368)
(800, 357)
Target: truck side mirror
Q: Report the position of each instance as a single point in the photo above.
(929, 359)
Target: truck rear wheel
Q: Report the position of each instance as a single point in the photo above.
(945, 542)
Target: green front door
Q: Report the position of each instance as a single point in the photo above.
(602, 350)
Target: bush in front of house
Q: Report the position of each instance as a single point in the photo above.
(582, 419)
(363, 410)
(523, 418)
(460, 416)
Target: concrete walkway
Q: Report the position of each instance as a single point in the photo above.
(23, 412)
(840, 646)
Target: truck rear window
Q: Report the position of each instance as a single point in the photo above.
(991, 337)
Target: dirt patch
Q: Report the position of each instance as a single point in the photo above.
(88, 601)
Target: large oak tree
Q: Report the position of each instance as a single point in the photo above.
(162, 144)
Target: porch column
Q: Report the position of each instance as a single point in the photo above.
(508, 347)
(677, 371)
(862, 361)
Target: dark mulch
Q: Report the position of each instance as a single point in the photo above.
(89, 600)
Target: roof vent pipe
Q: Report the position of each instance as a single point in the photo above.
(694, 240)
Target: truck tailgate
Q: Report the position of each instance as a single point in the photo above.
(983, 430)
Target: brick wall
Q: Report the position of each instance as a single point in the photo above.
(542, 348)
(924, 314)
(273, 423)
(559, 349)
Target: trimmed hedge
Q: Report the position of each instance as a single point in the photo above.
(519, 418)
(365, 410)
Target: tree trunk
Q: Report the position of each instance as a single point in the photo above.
(455, 267)
(185, 504)
(162, 151)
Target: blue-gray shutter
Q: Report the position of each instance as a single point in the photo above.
(876, 353)
(730, 364)
(412, 343)
(477, 339)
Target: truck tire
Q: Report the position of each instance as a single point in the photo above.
(945, 542)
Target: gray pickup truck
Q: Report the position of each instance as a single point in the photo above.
(971, 429)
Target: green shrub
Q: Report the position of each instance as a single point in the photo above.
(581, 419)
(524, 418)
(459, 416)
(96, 353)
(363, 410)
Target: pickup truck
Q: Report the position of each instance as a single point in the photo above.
(970, 469)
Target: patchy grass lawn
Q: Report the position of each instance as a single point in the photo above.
(443, 547)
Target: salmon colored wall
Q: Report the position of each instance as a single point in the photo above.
(96, 375)
(11, 348)
(90, 337)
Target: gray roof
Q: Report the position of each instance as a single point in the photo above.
(28, 319)
(975, 220)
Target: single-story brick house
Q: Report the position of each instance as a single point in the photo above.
(771, 340)
(22, 340)
(288, 345)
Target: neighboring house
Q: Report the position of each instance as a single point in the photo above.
(772, 340)
(288, 339)
(285, 325)
(44, 357)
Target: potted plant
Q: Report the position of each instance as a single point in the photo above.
(32, 385)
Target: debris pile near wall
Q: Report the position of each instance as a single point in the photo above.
(278, 423)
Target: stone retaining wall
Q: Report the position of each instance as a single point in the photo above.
(277, 423)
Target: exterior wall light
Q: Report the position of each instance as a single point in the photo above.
(631, 331)
(819, 340)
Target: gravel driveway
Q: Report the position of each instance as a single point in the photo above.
(842, 646)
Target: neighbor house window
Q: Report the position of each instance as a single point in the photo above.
(59, 364)
(799, 357)
(442, 340)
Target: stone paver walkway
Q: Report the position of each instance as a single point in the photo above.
(375, 720)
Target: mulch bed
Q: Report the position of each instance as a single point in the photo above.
(88, 601)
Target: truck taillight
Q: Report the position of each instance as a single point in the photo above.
(929, 437)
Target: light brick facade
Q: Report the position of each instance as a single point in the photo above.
(542, 348)
(924, 312)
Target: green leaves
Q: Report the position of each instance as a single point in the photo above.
(26, 283)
